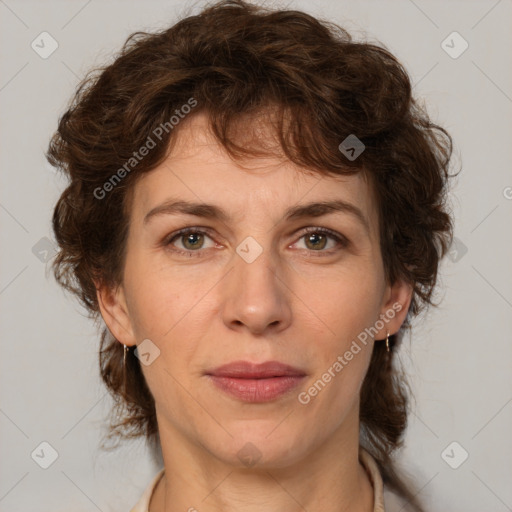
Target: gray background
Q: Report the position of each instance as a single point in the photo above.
(458, 358)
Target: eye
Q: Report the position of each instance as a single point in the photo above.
(191, 240)
(317, 239)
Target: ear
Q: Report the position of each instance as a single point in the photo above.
(395, 306)
(113, 309)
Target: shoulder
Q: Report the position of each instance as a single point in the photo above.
(395, 503)
(385, 500)
(143, 504)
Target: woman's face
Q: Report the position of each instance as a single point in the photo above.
(249, 284)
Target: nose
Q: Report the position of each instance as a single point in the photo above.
(256, 296)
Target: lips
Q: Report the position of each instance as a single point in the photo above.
(249, 382)
(246, 370)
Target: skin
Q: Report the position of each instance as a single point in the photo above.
(299, 303)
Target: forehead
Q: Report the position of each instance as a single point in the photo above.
(199, 169)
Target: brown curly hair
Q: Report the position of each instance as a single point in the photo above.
(236, 59)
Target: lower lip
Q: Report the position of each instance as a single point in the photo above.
(257, 390)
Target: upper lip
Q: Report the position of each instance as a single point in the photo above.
(247, 370)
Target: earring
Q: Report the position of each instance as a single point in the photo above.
(125, 350)
(387, 343)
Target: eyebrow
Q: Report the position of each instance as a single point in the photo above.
(211, 211)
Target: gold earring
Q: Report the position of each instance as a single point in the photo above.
(125, 350)
(387, 342)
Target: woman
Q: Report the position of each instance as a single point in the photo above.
(256, 209)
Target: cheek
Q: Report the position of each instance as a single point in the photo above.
(340, 357)
(345, 303)
(160, 300)
(172, 310)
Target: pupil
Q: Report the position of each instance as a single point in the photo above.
(192, 239)
(316, 236)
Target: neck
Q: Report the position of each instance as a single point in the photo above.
(330, 479)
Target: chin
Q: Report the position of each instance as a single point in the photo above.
(261, 446)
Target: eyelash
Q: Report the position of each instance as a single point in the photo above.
(342, 241)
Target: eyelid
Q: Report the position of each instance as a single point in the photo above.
(327, 231)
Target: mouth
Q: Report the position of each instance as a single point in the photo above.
(256, 383)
